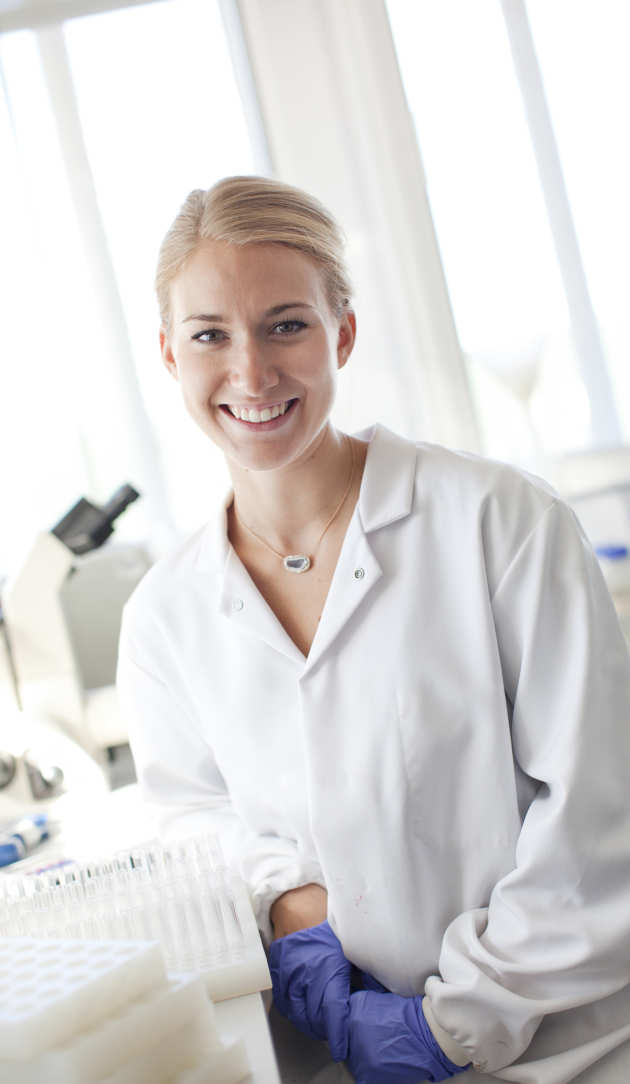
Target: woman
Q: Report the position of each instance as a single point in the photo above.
(391, 678)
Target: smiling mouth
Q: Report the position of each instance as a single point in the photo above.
(257, 416)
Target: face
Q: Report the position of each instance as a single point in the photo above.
(256, 350)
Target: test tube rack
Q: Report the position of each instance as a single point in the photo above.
(182, 896)
(106, 1012)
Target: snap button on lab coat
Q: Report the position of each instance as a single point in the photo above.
(237, 604)
(359, 573)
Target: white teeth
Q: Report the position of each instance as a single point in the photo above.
(254, 415)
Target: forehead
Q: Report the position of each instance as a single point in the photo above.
(220, 277)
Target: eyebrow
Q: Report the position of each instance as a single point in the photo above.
(213, 317)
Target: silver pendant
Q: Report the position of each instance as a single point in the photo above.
(297, 562)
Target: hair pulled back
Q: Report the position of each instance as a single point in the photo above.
(254, 210)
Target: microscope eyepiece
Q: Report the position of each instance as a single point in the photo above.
(119, 500)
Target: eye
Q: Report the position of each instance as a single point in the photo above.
(288, 327)
(210, 335)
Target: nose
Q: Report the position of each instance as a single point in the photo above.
(252, 371)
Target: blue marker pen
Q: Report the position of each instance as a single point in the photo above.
(22, 837)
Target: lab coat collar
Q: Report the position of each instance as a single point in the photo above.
(242, 602)
(386, 493)
(238, 599)
(216, 549)
(388, 480)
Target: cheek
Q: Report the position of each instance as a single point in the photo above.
(196, 384)
(318, 361)
(194, 374)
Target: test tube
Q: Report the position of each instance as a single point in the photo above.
(18, 926)
(181, 895)
(234, 930)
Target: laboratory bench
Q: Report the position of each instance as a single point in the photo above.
(91, 827)
(105, 822)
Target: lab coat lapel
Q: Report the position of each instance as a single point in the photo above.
(388, 480)
(238, 598)
(386, 496)
(356, 574)
(242, 603)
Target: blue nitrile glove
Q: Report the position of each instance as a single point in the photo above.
(311, 985)
(390, 1042)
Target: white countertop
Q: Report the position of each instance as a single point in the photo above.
(107, 822)
(246, 1017)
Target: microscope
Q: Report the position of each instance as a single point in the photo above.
(59, 628)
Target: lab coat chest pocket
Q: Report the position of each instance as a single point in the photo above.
(455, 739)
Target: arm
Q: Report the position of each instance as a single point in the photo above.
(180, 779)
(556, 930)
(299, 909)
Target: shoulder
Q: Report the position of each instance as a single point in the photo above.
(489, 505)
(459, 479)
(456, 484)
(479, 476)
(168, 581)
(461, 502)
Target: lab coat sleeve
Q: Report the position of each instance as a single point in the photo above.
(556, 932)
(184, 789)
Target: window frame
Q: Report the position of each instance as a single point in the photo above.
(605, 426)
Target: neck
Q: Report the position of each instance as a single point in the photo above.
(289, 505)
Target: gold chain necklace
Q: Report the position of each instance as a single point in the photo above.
(300, 562)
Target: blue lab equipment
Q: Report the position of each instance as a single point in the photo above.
(311, 984)
(390, 1042)
(21, 837)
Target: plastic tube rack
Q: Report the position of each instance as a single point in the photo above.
(88, 1012)
(182, 896)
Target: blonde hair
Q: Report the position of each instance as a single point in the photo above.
(255, 210)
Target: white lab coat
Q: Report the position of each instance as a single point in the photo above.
(451, 761)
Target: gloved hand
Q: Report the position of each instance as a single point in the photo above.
(311, 985)
(390, 1042)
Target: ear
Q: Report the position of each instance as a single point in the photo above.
(167, 354)
(347, 335)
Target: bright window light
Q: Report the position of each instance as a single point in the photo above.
(46, 315)
(160, 114)
(583, 52)
(492, 224)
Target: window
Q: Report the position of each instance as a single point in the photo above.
(543, 351)
(106, 122)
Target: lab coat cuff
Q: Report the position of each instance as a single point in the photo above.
(453, 1050)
